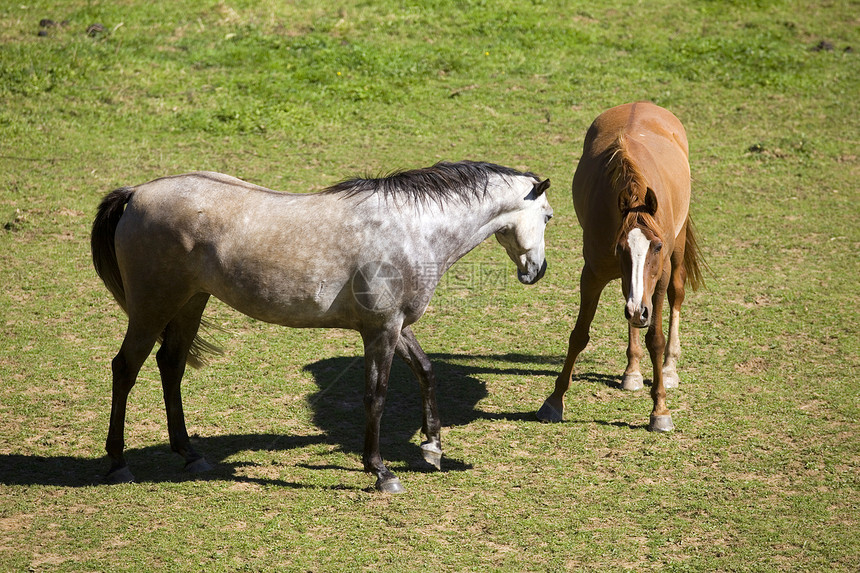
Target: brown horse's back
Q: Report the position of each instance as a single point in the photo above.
(628, 149)
(636, 119)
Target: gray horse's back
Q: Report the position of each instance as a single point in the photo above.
(256, 249)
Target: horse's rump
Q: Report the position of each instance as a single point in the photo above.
(103, 245)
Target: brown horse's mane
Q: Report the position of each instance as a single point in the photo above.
(627, 180)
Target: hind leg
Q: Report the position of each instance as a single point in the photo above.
(136, 346)
(147, 319)
(171, 357)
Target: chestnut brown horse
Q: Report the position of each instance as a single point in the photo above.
(631, 192)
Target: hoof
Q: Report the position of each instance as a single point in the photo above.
(389, 485)
(670, 379)
(632, 382)
(119, 475)
(549, 413)
(198, 466)
(432, 454)
(661, 423)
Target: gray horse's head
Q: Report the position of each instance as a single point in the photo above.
(523, 235)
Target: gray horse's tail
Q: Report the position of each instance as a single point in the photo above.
(102, 241)
(103, 247)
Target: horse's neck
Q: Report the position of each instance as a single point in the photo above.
(466, 226)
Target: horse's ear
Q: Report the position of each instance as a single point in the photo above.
(650, 202)
(540, 188)
(629, 202)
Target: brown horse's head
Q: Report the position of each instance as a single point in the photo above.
(638, 248)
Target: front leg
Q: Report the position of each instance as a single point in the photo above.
(379, 348)
(661, 418)
(632, 376)
(676, 299)
(411, 352)
(590, 287)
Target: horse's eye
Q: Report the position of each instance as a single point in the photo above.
(658, 247)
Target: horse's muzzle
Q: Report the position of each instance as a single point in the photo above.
(638, 317)
(532, 278)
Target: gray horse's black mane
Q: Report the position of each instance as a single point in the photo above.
(463, 180)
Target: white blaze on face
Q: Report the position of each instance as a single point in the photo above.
(639, 246)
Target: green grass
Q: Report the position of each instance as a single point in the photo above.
(762, 471)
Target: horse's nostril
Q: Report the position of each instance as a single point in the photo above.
(627, 312)
(645, 313)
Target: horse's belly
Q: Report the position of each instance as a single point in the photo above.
(284, 302)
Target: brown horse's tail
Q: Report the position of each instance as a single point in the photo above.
(102, 243)
(693, 260)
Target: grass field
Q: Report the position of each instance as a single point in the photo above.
(763, 470)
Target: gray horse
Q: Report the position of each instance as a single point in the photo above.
(365, 254)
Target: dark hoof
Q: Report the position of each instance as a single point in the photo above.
(549, 413)
(119, 475)
(661, 423)
(632, 382)
(198, 466)
(432, 454)
(389, 485)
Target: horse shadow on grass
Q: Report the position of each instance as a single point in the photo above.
(338, 410)
(338, 407)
